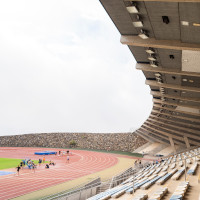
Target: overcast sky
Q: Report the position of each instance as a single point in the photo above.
(63, 69)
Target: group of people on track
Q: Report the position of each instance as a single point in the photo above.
(40, 161)
(50, 163)
(62, 153)
(31, 165)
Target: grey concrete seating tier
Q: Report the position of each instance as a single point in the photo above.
(159, 193)
(188, 161)
(147, 168)
(163, 163)
(169, 161)
(180, 191)
(166, 177)
(158, 170)
(178, 174)
(165, 168)
(151, 172)
(128, 180)
(137, 185)
(140, 197)
(180, 164)
(173, 166)
(196, 158)
(152, 181)
(108, 193)
(192, 169)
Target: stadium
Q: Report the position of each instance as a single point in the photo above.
(160, 160)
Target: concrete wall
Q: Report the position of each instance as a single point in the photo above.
(104, 141)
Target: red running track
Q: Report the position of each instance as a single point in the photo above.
(81, 164)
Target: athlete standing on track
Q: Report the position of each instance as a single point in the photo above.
(21, 165)
(34, 166)
(40, 161)
(67, 159)
(18, 168)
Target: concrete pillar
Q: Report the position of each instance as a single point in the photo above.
(186, 142)
(172, 143)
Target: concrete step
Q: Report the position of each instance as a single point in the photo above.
(158, 149)
(168, 150)
(142, 147)
(150, 147)
(153, 148)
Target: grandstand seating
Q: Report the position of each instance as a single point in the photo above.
(159, 193)
(166, 177)
(140, 197)
(163, 37)
(166, 173)
(192, 169)
(180, 191)
(177, 175)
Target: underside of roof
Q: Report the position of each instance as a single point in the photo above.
(164, 38)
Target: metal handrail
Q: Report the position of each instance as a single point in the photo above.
(67, 194)
(187, 156)
(82, 187)
(182, 151)
(71, 190)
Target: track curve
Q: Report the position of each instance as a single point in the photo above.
(81, 163)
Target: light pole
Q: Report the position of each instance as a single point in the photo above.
(185, 169)
(133, 184)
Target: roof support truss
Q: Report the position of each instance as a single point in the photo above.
(132, 40)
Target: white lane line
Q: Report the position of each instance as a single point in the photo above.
(34, 178)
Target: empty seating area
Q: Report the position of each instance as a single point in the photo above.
(192, 169)
(180, 191)
(166, 177)
(165, 180)
(140, 197)
(159, 193)
(179, 173)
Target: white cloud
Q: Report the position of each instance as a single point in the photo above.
(63, 69)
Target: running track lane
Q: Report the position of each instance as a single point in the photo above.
(81, 163)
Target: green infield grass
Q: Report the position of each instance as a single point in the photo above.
(6, 163)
